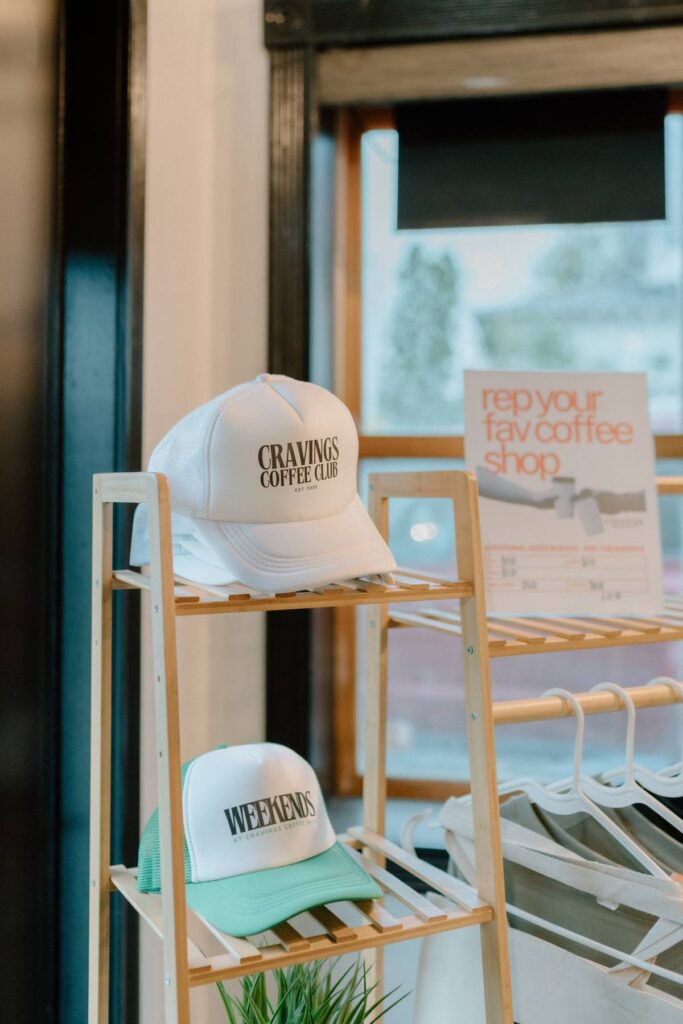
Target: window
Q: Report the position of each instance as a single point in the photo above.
(419, 305)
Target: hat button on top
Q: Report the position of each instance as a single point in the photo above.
(264, 378)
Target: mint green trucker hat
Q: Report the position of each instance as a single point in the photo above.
(259, 846)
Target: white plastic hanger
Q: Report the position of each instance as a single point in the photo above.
(612, 885)
(668, 781)
(571, 798)
(568, 801)
(628, 792)
(627, 795)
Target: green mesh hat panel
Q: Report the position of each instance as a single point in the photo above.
(149, 857)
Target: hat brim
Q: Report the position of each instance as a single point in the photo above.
(247, 904)
(277, 557)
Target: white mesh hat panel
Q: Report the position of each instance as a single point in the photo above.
(181, 455)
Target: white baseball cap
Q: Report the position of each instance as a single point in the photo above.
(259, 846)
(263, 490)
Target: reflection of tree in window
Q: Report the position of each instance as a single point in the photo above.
(589, 257)
(422, 335)
(603, 294)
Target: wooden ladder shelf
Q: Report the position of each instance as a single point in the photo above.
(195, 953)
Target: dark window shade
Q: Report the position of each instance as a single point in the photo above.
(561, 159)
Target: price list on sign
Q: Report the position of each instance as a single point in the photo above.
(553, 571)
(568, 502)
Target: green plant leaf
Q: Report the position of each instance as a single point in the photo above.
(309, 994)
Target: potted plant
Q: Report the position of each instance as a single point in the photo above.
(308, 994)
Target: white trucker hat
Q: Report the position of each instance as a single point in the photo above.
(259, 846)
(263, 491)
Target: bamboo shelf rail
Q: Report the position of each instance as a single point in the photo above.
(540, 709)
(195, 953)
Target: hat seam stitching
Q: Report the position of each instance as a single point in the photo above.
(265, 562)
(347, 877)
(207, 468)
(286, 562)
(284, 565)
(284, 399)
(292, 565)
(278, 901)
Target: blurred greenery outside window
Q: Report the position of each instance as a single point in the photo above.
(552, 297)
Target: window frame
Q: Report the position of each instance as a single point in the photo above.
(351, 124)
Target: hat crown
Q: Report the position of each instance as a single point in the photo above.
(274, 450)
(252, 807)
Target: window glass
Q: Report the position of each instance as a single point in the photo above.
(575, 297)
(426, 716)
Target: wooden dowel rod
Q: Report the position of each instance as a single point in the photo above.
(670, 484)
(509, 712)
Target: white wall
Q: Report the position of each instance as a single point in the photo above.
(205, 330)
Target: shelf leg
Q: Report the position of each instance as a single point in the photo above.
(374, 771)
(376, 681)
(100, 760)
(176, 978)
(482, 753)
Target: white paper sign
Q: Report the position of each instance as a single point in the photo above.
(568, 501)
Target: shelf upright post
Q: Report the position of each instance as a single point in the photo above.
(461, 489)
(376, 675)
(152, 490)
(167, 723)
(376, 639)
(482, 750)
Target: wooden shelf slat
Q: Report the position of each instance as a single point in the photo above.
(128, 579)
(243, 951)
(589, 626)
(337, 929)
(504, 628)
(500, 627)
(393, 886)
(375, 912)
(447, 885)
(226, 591)
(551, 627)
(148, 907)
(628, 625)
(418, 619)
(290, 938)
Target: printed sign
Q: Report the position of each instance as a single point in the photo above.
(568, 500)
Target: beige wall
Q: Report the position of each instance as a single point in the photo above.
(205, 329)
